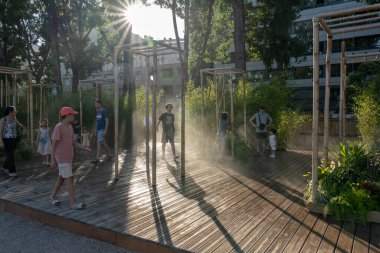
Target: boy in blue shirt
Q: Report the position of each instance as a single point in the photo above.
(102, 124)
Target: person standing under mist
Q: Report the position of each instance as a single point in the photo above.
(102, 124)
(167, 120)
(224, 125)
(261, 121)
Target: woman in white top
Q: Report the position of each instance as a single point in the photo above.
(8, 131)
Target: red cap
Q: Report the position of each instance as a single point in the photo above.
(66, 111)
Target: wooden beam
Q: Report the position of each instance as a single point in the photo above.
(328, 21)
(357, 28)
(315, 107)
(154, 116)
(232, 115)
(354, 22)
(327, 101)
(368, 8)
(147, 121)
(116, 109)
(325, 27)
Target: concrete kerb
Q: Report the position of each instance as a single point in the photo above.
(126, 241)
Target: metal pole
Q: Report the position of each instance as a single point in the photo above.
(147, 121)
(232, 115)
(342, 88)
(327, 100)
(116, 107)
(6, 90)
(315, 107)
(154, 116)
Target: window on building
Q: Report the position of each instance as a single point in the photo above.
(167, 73)
(138, 75)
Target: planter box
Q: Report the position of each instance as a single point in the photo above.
(373, 216)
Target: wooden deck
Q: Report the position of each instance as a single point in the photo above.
(217, 207)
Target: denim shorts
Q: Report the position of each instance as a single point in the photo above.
(100, 135)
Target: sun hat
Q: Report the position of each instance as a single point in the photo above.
(66, 111)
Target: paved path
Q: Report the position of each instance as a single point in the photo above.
(18, 234)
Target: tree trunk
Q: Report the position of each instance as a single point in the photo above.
(53, 36)
(238, 8)
(200, 61)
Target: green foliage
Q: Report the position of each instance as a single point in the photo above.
(352, 204)
(367, 112)
(276, 97)
(268, 37)
(350, 186)
(287, 123)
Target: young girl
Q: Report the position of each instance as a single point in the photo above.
(44, 141)
(86, 136)
(272, 143)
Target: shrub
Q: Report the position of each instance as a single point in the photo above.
(367, 111)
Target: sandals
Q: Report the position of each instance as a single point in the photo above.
(55, 202)
(78, 206)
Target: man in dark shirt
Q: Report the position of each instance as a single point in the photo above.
(167, 120)
(102, 127)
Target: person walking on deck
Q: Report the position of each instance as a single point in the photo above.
(62, 156)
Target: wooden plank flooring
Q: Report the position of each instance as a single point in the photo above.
(220, 206)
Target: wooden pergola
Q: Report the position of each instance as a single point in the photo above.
(14, 72)
(148, 49)
(357, 19)
(220, 73)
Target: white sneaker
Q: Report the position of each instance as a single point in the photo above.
(13, 174)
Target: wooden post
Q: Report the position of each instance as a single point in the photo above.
(315, 107)
(81, 109)
(202, 113)
(14, 95)
(245, 108)
(217, 113)
(6, 90)
(2, 93)
(232, 115)
(154, 116)
(147, 121)
(41, 101)
(31, 108)
(116, 107)
(327, 100)
(183, 115)
(342, 88)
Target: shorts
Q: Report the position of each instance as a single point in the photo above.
(100, 135)
(261, 135)
(65, 170)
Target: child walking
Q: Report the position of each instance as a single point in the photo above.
(272, 143)
(62, 156)
(44, 141)
(86, 136)
(167, 119)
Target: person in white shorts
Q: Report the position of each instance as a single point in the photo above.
(62, 156)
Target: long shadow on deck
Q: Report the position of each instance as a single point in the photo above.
(206, 207)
